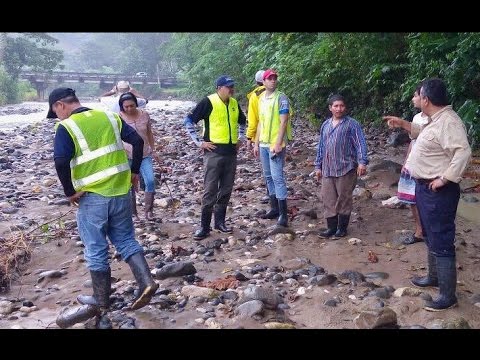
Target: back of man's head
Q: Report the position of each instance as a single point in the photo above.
(67, 95)
(259, 76)
(436, 91)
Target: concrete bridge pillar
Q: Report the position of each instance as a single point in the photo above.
(40, 86)
(105, 86)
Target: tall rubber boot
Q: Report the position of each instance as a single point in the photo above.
(134, 205)
(149, 205)
(447, 283)
(72, 316)
(274, 211)
(431, 279)
(141, 272)
(90, 299)
(343, 221)
(204, 231)
(220, 214)
(91, 306)
(101, 282)
(283, 218)
(332, 223)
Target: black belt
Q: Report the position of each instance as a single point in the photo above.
(424, 181)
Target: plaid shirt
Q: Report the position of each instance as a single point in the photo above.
(341, 148)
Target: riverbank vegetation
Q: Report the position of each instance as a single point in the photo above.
(376, 72)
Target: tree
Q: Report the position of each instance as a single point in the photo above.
(32, 50)
(3, 44)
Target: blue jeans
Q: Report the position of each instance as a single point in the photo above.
(99, 217)
(273, 172)
(146, 171)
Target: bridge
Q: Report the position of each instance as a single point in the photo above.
(41, 80)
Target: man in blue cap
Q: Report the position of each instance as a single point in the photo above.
(224, 124)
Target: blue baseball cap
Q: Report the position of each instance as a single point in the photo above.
(225, 80)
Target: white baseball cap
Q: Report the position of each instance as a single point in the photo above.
(259, 76)
(123, 84)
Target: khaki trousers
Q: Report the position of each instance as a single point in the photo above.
(337, 192)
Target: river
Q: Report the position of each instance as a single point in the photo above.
(30, 112)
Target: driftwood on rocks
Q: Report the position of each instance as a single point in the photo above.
(16, 250)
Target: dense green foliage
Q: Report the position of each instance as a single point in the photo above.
(32, 51)
(376, 72)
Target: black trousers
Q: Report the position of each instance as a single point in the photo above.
(219, 178)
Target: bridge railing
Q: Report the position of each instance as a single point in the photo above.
(89, 75)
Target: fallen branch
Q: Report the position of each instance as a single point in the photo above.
(16, 249)
(48, 222)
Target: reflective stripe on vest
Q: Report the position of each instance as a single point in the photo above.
(100, 175)
(100, 164)
(88, 155)
(223, 121)
(270, 119)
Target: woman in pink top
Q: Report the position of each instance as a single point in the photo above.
(140, 121)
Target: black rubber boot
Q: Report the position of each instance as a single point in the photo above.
(96, 305)
(71, 316)
(147, 286)
(149, 205)
(274, 212)
(204, 231)
(220, 214)
(283, 218)
(447, 283)
(332, 223)
(90, 299)
(431, 280)
(101, 282)
(343, 221)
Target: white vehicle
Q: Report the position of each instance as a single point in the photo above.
(141, 73)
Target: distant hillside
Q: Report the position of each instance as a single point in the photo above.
(70, 43)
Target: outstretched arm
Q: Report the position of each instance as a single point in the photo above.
(110, 92)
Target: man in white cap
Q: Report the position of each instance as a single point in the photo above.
(252, 116)
(121, 88)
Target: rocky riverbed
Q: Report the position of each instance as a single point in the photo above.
(255, 278)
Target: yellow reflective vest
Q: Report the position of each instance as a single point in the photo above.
(223, 121)
(253, 116)
(270, 120)
(100, 163)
